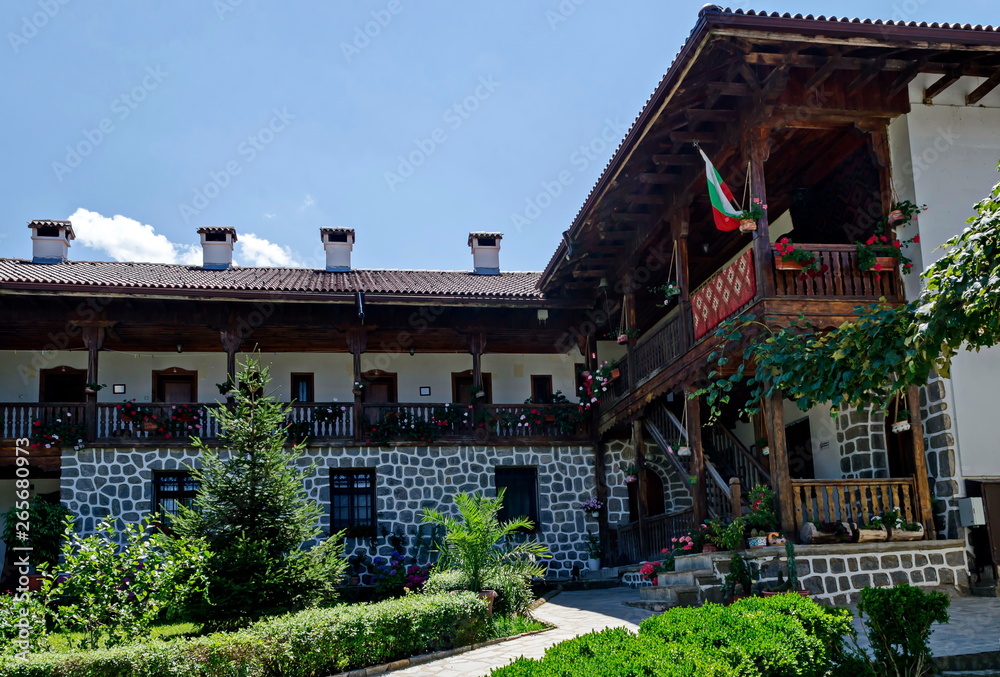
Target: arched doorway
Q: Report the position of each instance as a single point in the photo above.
(652, 487)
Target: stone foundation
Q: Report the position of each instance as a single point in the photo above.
(97, 482)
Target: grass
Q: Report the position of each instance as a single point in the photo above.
(508, 626)
(64, 641)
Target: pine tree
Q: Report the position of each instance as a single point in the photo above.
(252, 509)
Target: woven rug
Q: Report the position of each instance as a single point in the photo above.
(723, 295)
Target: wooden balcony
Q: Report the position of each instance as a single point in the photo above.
(853, 500)
(321, 423)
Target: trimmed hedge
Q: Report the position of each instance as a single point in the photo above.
(311, 643)
(776, 636)
(514, 592)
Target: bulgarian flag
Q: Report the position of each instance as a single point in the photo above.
(727, 217)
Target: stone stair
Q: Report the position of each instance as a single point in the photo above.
(692, 584)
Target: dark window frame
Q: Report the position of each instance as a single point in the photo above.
(523, 479)
(545, 379)
(307, 377)
(366, 528)
(182, 494)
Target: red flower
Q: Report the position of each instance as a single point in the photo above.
(790, 249)
(897, 244)
(871, 240)
(783, 240)
(908, 265)
(877, 266)
(916, 239)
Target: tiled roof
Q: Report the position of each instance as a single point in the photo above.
(49, 223)
(230, 230)
(163, 277)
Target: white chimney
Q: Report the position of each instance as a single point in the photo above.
(217, 247)
(485, 253)
(338, 243)
(50, 240)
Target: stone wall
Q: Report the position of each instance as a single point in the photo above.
(861, 435)
(939, 442)
(617, 455)
(97, 482)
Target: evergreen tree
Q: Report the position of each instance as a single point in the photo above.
(253, 511)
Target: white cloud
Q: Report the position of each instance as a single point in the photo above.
(269, 215)
(307, 203)
(261, 252)
(125, 239)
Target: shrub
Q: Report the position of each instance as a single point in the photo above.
(513, 590)
(21, 612)
(311, 643)
(616, 652)
(898, 621)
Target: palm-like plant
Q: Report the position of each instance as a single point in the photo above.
(480, 545)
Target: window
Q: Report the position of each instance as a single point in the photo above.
(302, 387)
(171, 489)
(521, 497)
(541, 389)
(352, 502)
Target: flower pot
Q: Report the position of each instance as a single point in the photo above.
(550, 418)
(781, 264)
(747, 225)
(490, 597)
(150, 425)
(355, 580)
(872, 535)
(775, 538)
(90, 391)
(757, 541)
(902, 535)
(655, 580)
(684, 452)
(622, 339)
(615, 373)
(772, 593)
(594, 563)
(629, 479)
(710, 547)
(883, 264)
(901, 426)
(896, 217)
(810, 534)
(126, 418)
(594, 514)
(357, 392)
(480, 393)
(765, 451)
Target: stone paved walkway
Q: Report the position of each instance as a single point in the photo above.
(573, 613)
(974, 627)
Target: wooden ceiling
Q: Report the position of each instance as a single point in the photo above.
(817, 98)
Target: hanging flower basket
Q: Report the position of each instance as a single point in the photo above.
(629, 479)
(684, 451)
(901, 426)
(897, 217)
(747, 225)
(622, 339)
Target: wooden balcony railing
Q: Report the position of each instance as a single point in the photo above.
(853, 500)
(448, 420)
(659, 530)
(540, 421)
(843, 278)
(657, 349)
(17, 419)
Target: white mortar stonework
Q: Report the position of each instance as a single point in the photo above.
(861, 435)
(617, 455)
(939, 442)
(97, 482)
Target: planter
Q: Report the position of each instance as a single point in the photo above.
(125, 418)
(747, 225)
(735, 598)
(355, 580)
(629, 479)
(90, 391)
(775, 538)
(550, 418)
(490, 597)
(481, 393)
(34, 582)
(756, 542)
(872, 535)
(901, 426)
(684, 452)
(765, 451)
(150, 425)
(615, 373)
(622, 339)
(896, 217)
(883, 264)
(594, 514)
(594, 563)
(810, 534)
(781, 264)
(358, 392)
(710, 547)
(902, 535)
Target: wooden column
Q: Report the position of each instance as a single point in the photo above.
(680, 229)
(920, 462)
(477, 346)
(763, 254)
(640, 464)
(629, 300)
(357, 342)
(93, 341)
(735, 497)
(231, 343)
(692, 408)
(781, 481)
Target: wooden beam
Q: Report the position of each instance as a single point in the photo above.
(730, 88)
(662, 179)
(824, 72)
(976, 95)
(701, 115)
(675, 159)
(867, 75)
(920, 461)
(692, 407)
(643, 199)
(781, 480)
(905, 77)
(941, 84)
(629, 217)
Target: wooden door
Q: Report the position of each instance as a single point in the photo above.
(62, 384)
(991, 501)
(798, 440)
(175, 386)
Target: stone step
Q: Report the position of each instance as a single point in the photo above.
(606, 573)
(672, 594)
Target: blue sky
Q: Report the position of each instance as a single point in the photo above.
(280, 118)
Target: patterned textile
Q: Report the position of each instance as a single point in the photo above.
(723, 294)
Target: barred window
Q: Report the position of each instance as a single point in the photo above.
(521, 493)
(172, 489)
(352, 502)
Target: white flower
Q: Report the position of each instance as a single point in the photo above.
(55, 437)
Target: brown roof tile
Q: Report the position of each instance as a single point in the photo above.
(163, 276)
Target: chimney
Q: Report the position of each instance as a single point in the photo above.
(338, 243)
(50, 240)
(217, 247)
(485, 253)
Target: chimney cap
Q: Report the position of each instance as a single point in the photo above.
(331, 231)
(49, 223)
(229, 230)
(476, 235)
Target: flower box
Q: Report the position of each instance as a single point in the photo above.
(615, 374)
(772, 593)
(903, 535)
(150, 425)
(809, 533)
(872, 535)
(781, 264)
(757, 541)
